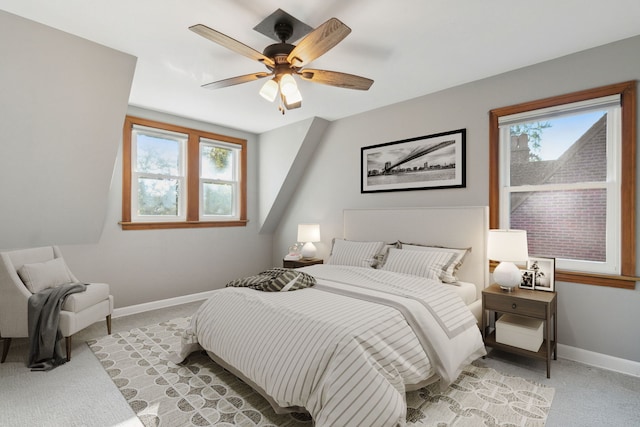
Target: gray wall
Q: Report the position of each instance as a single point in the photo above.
(598, 319)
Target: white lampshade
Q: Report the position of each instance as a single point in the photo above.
(507, 246)
(269, 90)
(308, 233)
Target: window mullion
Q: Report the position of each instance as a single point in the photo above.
(193, 178)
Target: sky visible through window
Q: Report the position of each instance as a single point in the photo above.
(564, 131)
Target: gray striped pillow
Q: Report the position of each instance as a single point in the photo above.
(358, 254)
(452, 267)
(431, 264)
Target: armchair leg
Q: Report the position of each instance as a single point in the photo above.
(5, 348)
(68, 342)
(109, 324)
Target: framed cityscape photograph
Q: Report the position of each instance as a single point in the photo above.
(544, 269)
(423, 163)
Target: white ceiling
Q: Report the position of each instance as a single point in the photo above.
(408, 47)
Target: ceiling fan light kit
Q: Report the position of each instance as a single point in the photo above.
(269, 90)
(285, 60)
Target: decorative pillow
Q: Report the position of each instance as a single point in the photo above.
(429, 264)
(358, 254)
(381, 257)
(42, 275)
(276, 280)
(452, 267)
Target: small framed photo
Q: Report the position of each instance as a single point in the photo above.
(528, 279)
(544, 268)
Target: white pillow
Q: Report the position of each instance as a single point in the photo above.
(430, 264)
(450, 269)
(42, 275)
(358, 254)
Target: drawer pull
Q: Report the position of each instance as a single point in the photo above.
(513, 305)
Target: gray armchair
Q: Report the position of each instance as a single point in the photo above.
(79, 310)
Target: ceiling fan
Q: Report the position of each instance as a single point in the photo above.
(284, 60)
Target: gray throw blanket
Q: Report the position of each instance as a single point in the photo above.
(44, 317)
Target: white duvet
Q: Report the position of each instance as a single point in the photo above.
(347, 349)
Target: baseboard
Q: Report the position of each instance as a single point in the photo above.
(155, 305)
(599, 360)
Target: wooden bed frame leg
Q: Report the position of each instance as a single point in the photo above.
(5, 349)
(68, 341)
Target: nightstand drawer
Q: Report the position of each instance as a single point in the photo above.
(519, 306)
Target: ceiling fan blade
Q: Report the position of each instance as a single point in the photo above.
(318, 42)
(235, 80)
(334, 78)
(230, 43)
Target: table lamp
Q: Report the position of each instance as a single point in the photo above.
(507, 246)
(307, 234)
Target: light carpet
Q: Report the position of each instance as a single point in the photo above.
(198, 392)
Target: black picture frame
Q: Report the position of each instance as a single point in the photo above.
(430, 162)
(528, 279)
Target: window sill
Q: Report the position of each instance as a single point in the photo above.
(609, 280)
(187, 224)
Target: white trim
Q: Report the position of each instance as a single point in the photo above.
(599, 360)
(155, 305)
(603, 103)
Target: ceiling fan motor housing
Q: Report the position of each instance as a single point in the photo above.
(279, 52)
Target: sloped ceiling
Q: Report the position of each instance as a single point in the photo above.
(410, 47)
(62, 104)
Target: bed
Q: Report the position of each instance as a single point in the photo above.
(347, 349)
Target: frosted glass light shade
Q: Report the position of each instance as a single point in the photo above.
(269, 90)
(294, 97)
(288, 85)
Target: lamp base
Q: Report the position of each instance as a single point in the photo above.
(507, 275)
(308, 250)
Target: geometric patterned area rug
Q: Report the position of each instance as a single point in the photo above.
(198, 392)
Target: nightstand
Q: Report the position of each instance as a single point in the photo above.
(527, 303)
(286, 263)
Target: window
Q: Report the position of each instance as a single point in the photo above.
(175, 177)
(564, 170)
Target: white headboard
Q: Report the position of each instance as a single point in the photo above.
(454, 227)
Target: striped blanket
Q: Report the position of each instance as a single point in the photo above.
(345, 350)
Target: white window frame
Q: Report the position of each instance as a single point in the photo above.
(235, 165)
(181, 139)
(612, 185)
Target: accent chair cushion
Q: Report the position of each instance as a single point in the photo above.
(95, 293)
(42, 275)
